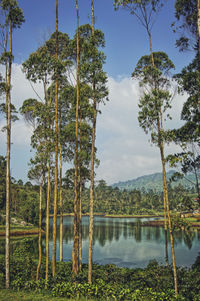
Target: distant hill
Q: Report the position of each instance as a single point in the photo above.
(153, 181)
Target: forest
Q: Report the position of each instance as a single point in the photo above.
(64, 127)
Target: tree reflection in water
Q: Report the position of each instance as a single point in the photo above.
(125, 239)
(112, 229)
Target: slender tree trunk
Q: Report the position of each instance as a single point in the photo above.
(40, 232)
(197, 182)
(165, 227)
(160, 128)
(48, 188)
(92, 195)
(198, 25)
(80, 223)
(196, 173)
(47, 216)
(150, 46)
(75, 253)
(56, 157)
(8, 110)
(61, 207)
(80, 204)
(92, 168)
(164, 203)
(165, 192)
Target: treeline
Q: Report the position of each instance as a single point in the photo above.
(107, 200)
(63, 121)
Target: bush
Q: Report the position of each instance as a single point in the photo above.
(108, 283)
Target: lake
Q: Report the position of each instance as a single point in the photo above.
(124, 242)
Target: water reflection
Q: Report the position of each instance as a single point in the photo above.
(112, 229)
(121, 241)
(125, 242)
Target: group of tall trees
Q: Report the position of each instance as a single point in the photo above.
(63, 120)
(152, 71)
(12, 18)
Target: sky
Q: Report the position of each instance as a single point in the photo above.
(123, 148)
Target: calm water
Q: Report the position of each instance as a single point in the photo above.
(122, 241)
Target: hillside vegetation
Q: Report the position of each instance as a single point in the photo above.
(154, 182)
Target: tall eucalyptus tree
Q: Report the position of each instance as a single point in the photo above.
(13, 18)
(93, 77)
(37, 173)
(75, 253)
(56, 153)
(153, 105)
(45, 66)
(34, 113)
(187, 23)
(92, 74)
(146, 12)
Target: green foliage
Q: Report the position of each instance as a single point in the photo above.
(186, 24)
(154, 182)
(179, 223)
(110, 282)
(13, 13)
(187, 137)
(156, 97)
(188, 80)
(22, 266)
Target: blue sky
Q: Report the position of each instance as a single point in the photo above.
(123, 148)
(126, 39)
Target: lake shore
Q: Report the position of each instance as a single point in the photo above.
(116, 215)
(28, 231)
(21, 232)
(160, 223)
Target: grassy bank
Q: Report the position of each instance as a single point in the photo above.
(16, 230)
(158, 214)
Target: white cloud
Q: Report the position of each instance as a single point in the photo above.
(123, 148)
(21, 90)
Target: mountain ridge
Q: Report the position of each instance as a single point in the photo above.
(153, 181)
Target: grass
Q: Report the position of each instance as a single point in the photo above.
(192, 219)
(10, 295)
(17, 227)
(17, 230)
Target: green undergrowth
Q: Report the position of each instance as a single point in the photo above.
(109, 282)
(13, 295)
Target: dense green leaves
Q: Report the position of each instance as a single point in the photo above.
(186, 25)
(11, 12)
(156, 98)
